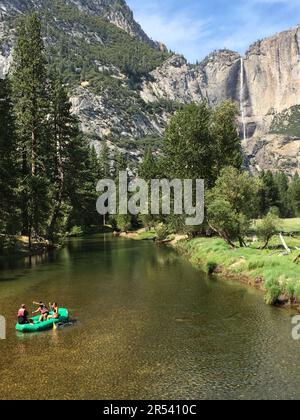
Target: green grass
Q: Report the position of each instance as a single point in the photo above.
(291, 225)
(279, 273)
(142, 236)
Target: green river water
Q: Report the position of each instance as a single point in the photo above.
(149, 326)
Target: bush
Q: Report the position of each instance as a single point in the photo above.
(124, 222)
(76, 231)
(273, 291)
(290, 288)
(268, 228)
(297, 289)
(162, 232)
(211, 267)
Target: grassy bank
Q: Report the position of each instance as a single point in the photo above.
(269, 270)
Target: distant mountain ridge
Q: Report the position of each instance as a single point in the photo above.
(132, 85)
(115, 11)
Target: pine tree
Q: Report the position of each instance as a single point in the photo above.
(282, 182)
(29, 83)
(8, 168)
(148, 168)
(105, 161)
(294, 195)
(83, 194)
(64, 134)
(120, 163)
(268, 194)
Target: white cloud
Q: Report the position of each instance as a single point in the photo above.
(175, 31)
(195, 29)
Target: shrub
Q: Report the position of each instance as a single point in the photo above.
(211, 267)
(273, 291)
(162, 232)
(76, 231)
(124, 222)
(297, 289)
(268, 228)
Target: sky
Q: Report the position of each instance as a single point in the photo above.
(195, 28)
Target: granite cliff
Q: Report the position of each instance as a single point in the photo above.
(130, 93)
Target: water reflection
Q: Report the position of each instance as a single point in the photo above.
(150, 326)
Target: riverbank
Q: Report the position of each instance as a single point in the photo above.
(272, 271)
(269, 271)
(19, 246)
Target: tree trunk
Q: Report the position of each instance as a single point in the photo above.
(242, 243)
(60, 189)
(223, 235)
(266, 244)
(24, 199)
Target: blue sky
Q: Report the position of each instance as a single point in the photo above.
(197, 27)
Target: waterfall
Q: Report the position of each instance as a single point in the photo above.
(242, 99)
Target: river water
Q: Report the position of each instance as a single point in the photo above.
(149, 326)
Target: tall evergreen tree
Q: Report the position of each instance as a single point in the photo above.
(29, 83)
(8, 167)
(282, 182)
(64, 139)
(105, 161)
(268, 193)
(294, 195)
(120, 162)
(148, 168)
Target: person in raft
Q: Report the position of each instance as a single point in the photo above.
(43, 310)
(54, 309)
(23, 316)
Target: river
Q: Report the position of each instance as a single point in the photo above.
(149, 326)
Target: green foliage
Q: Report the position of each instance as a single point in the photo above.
(30, 93)
(268, 193)
(9, 214)
(282, 181)
(75, 168)
(76, 231)
(268, 228)
(188, 147)
(54, 169)
(148, 168)
(104, 42)
(228, 151)
(105, 162)
(297, 290)
(294, 195)
(287, 122)
(161, 231)
(211, 267)
(231, 204)
(200, 141)
(123, 222)
(273, 290)
(147, 220)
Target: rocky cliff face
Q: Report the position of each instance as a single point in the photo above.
(214, 79)
(265, 84)
(115, 11)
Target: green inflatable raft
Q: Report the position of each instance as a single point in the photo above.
(43, 326)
